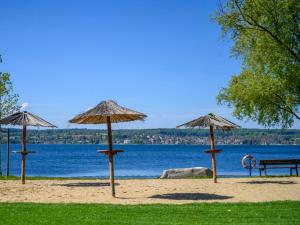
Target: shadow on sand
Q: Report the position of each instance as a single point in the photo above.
(86, 184)
(191, 196)
(268, 182)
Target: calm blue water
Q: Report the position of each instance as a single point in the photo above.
(138, 160)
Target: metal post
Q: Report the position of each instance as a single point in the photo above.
(8, 152)
(0, 132)
(0, 150)
(250, 167)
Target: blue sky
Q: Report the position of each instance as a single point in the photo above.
(164, 58)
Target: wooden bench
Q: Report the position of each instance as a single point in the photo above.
(292, 164)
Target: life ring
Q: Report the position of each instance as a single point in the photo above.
(245, 164)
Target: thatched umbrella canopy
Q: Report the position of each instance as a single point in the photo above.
(107, 112)
(212, 121)
(25, 119)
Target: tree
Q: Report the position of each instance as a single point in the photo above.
(8, 101)
(266, 36)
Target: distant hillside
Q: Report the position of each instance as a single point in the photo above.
(157, 136)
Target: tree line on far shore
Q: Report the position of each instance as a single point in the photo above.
(156, 136)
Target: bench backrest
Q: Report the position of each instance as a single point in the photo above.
(279, 161)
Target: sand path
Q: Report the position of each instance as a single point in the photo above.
(148, 191)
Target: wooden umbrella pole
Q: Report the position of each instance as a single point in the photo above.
(111, 157)
(23, 154)
(213, 157)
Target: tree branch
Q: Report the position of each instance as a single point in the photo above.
(262, 28)
(285, 107)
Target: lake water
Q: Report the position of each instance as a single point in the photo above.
(138, 160)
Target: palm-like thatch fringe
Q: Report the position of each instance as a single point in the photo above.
(211, 120)
(99, 114)
(25, 119)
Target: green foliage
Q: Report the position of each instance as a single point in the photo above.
(8, 100)
(266, 37)
(213, 213)
(261, 98)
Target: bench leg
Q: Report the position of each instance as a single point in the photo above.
(260, 172)
(265, 171)
(297, 171)
(291, 171)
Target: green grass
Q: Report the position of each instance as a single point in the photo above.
(286, 212)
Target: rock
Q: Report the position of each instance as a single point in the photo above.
(186, 173)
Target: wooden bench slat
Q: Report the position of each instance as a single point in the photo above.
(279, 161)
(292, 164)
(277, 166)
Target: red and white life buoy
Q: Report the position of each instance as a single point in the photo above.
(245, 164)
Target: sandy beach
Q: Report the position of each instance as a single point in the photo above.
(149, 191)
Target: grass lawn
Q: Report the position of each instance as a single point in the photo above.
(287, 212)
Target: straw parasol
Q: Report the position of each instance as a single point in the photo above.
(25, 119)
(107, 112)
(212, 121)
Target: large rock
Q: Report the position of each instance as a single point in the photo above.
(186, 173)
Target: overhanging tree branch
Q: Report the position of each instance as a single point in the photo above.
(262, 28)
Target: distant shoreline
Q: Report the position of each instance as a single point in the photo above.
(157, 136)
(161, 144)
